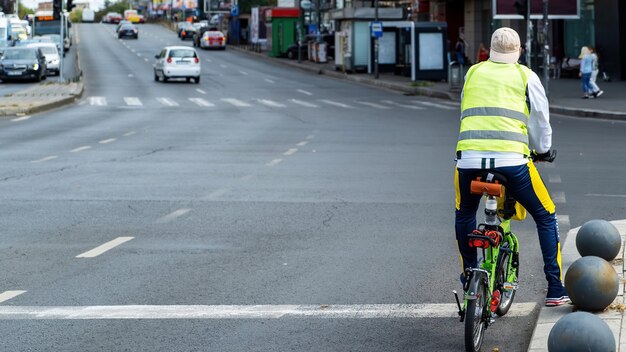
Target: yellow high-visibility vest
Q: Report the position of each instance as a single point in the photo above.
(494, 110)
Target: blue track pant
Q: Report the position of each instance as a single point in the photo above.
(528, 189)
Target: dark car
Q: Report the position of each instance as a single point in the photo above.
(22, 64)
(329, 39)
(128, 31)
(199, 32)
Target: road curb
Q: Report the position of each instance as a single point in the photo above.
(588, 113)
(613, 315)
(32, 108)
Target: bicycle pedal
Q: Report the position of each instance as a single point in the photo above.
(509, 286)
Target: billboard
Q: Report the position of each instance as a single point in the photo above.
(187, 4)
(557, 9)
(217, 6)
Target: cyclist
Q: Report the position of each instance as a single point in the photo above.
(505, 113)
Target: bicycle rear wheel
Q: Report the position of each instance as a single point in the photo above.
(475, 323)
(504, 269)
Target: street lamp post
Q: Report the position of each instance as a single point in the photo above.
(376, 41)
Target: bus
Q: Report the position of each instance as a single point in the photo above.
(44, 23)
(131, 15)
(4, 32)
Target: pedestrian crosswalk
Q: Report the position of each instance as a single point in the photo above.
(99, 101)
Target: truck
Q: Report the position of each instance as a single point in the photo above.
(88, 15)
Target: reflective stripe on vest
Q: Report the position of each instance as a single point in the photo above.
(494, 109)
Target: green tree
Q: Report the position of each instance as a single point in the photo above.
(23, 11)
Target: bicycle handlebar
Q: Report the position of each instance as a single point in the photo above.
(548, 156)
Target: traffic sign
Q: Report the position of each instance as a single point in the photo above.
(377, 29)
(234, 10)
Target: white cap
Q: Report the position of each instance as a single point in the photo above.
(505, 46)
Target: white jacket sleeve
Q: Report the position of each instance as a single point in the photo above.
(539, 129)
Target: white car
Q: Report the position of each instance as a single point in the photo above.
(51, 52)
(213, 39)
(177, 62)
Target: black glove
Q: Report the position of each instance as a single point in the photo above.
(548, 156)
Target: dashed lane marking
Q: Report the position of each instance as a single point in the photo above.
(200, 91)
(271, 103)
(413, 107)
(51, 157)
(80, 149)
(23, 118)
(373, 105)
(605, 195)
(167, 101)
(303, 103)
(354, 311)
(107, 141)
(97, 101)
(274, 162)
(7, 295)
(132, 101)
(435, 105)
(201, 102)
(173, 215)
(558, 197)
(104, 247)
(243, 73)
(235, 102)
(291, 151)
(334, 103)
(302, 144)
(304, 92)
(217, 193)
(129, 133)
(269, 81)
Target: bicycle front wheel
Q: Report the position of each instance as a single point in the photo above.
(475, 322)
(504, 272)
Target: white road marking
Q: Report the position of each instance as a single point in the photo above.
(223, 66)
(209, 60)
(235, 102)
(173, 215)
(107, 141)
(563, 220)
(146, 59)
(390, 102)
(304, 92)
(303, 103)
(269, 81)
(200, 91)
(133, 101)
(334, 103)
(243, 73)
(291, 151)
(435, 105)
(23, 118)
(311, 136)
(302, 144)
(132, 51)
(271, 103)
(354, 311)
(130, 75)
(129, 133)
(217, 193)
(80, 149)
(558, 197)
(605, 195)
(374, 105)
(167, 101)
(7, 295)
(105, 247)
(45, 159)
(554, 178)
(201, 102)
(97, 101)
(274, 162)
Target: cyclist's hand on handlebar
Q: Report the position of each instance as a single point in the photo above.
(548, 156)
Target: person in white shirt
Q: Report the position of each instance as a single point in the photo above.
(505, 120)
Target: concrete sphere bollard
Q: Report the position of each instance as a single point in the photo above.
(591, 283)
(581, 331)
(599, 238)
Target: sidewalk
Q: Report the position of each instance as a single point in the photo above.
(612, 315)
(44, 96)
(564, 93)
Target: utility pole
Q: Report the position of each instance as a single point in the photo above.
(546, 48)
(61, 54)
(529, 34)
(376, 41)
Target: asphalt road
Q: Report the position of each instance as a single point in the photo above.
(264, 209)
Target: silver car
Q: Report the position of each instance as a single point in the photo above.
(50, 51)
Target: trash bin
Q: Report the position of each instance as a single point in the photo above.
(321, 56)
(312, 51)
(455, 76)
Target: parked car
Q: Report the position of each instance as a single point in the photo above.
(51, 53)
(213, 40)
(128, 31)
(22, 63)
(177, 62)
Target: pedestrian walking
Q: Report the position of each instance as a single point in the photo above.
(460, 48)
(594, 73)
(482, 54)
(586, 67)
